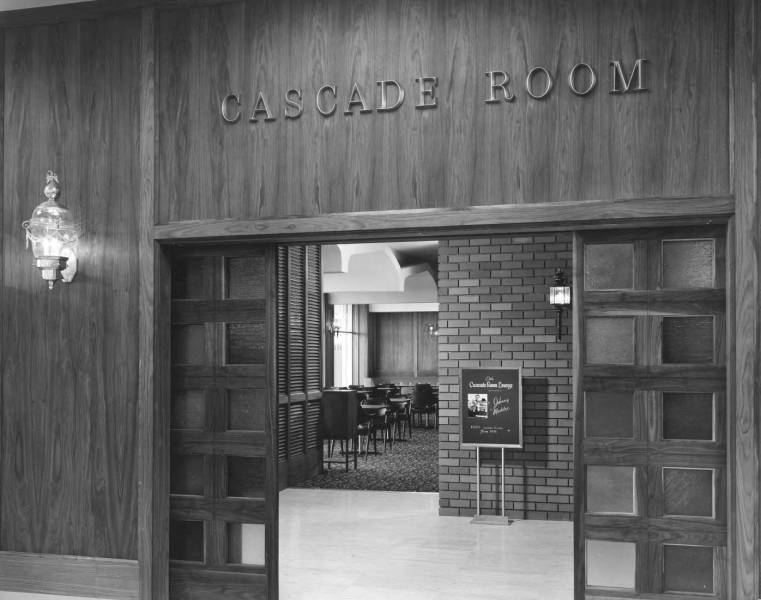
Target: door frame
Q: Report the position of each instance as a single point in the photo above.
(153, 517)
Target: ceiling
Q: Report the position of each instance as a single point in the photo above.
(393, 276)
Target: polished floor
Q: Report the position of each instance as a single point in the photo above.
(370, 545)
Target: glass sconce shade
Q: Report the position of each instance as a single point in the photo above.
(52, 231)
(560, 293)
(560, 296)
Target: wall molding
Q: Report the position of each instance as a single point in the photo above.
(743, 318)
(398, 224)
(107, 578)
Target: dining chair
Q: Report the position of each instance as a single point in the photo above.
(378, 422)
(424, 402)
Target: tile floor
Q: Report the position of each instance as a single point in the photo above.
(351, 545)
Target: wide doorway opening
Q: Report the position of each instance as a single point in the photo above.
(489, 306)
(625, 425)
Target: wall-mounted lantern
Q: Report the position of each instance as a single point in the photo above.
(560, 297)
(333, 328)
(53, 232)
(432, 329)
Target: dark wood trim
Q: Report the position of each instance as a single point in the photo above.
(153, 498)
(437, 222)
(69, 575)
(154, 577)
(3, 302)
(223, 582)
(663, 302)
(730, 408)
(743, 441)
(603, 594)
(664, 378)
(271, 514)
(579, 490)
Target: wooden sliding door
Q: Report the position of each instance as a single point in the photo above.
(223, 483)
(651, 460)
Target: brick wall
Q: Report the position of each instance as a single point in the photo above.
(494, 308)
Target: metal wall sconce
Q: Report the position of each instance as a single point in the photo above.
(560, 297)
(432, 329)
(53, 232)
(333, 328)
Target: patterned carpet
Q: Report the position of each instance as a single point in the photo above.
(412, 466)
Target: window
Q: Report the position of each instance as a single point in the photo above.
(343, 345)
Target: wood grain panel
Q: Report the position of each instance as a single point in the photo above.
(235, 510)
(670, 378)
(400, 347)
(76, 576)
(272, 508)
(190, 311)
(405, 224)
(153, 413)
(237, 443)
(681, 484)
(70, 433)
(692, 302)
(464, 152)
(394, 345)
(221, 462)
(189, 583)
(682, 531)
(743, 416)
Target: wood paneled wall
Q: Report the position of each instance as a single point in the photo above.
(68, 447)
(400, 349)
(669, 141)
(72, 92)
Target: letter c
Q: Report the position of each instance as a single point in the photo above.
(326, 112)
(228, 118)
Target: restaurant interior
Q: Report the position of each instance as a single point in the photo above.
(380, 357)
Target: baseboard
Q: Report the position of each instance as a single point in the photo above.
(106, 578)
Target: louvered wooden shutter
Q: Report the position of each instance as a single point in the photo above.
(296, 320)
(313, 320)
(299, 361)
(282, 320)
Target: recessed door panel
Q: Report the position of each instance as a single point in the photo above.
(223, 485)
(650, 452)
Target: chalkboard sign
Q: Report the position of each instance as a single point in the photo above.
(491, 407)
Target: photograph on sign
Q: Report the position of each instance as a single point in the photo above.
(491, 407)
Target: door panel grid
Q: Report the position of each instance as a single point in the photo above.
(651, 492)
(223, 472)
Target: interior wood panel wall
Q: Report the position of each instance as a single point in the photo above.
(68, 478)
(669, 141)
(400, 346)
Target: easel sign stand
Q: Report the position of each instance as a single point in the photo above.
(490, 519)
(491, 416)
